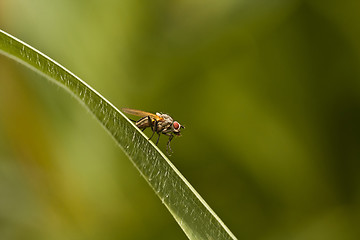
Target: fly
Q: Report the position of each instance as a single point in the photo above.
(159, 123)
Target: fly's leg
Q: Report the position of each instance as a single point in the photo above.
(158, 139)
(153, 128)
(168, 147)
(150, 123)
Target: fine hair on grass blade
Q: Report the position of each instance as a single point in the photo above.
(190, 211)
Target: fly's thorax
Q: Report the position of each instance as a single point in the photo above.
(164, 116)
(164, 123)
(167, 120)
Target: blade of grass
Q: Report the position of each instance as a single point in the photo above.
(191, 212)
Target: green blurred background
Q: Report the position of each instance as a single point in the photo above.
(269, 92)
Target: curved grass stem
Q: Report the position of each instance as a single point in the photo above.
(188, 208)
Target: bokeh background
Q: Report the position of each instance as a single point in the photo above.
(269, 92)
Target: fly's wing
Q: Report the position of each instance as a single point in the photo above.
(140, 113)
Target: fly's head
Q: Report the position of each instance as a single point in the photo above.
(176, 127)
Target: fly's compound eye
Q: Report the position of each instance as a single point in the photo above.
(176, 125)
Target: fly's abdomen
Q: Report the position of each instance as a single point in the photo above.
(144, 122)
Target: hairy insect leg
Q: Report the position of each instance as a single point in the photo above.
(158, 139)
(150, 123)
(168, 147)
(153, 128)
